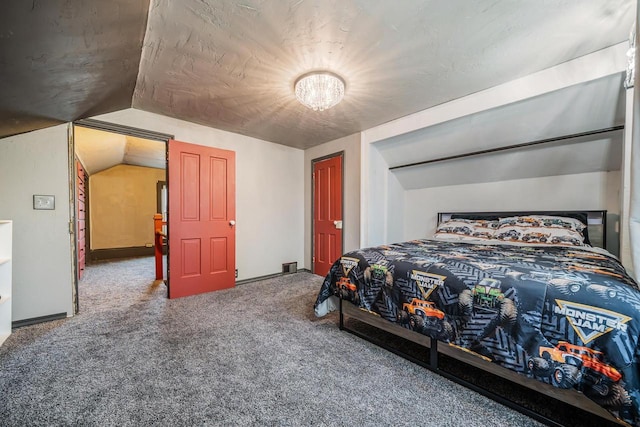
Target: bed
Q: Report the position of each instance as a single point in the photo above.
(532, 297)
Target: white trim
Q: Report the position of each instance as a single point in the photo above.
(598, 64)
(625, 185)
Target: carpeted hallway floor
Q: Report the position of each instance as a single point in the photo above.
(252, 355)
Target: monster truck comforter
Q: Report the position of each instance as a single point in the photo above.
(566, 316)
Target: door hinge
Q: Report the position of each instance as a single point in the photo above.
(70, 227)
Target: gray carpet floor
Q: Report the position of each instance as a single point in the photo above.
(251, 355)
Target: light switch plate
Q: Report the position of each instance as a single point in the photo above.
(44, 202)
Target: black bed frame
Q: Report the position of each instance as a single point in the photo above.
(597, 231)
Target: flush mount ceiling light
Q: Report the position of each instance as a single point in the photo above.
(319, 90)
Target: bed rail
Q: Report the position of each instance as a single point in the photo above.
(436, 348)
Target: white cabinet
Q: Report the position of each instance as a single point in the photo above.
(6, 229)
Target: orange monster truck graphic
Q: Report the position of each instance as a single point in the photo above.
(423, 315)
(347, 290)
(567, 364)
(344, 289)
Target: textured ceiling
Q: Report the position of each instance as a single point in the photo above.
(231, 65)
(61, 60)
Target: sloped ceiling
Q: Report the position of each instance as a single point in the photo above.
(594, 106)
(99, 150)
(231, 65)
(61, 60)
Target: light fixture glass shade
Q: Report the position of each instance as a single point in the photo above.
(319, 90)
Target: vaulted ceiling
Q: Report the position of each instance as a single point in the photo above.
(231, 65)
(99, 150)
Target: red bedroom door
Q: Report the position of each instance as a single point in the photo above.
(201, 219)
(327, 215)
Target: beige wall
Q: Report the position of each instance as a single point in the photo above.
(122, 202)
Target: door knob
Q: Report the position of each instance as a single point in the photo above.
(232, 223)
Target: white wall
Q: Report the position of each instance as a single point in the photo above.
(625, 184)
(588, 191)
(395, 210)
(583, 190)
(351, 207)
(37, 163)
(269, 190)
(374, 197)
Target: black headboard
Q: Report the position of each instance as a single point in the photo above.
(596, 221)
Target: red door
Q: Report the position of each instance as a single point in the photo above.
(201, 219)
(327, 215)
(81, 204)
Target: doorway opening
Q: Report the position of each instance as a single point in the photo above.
(117, 192)
(199, 211)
